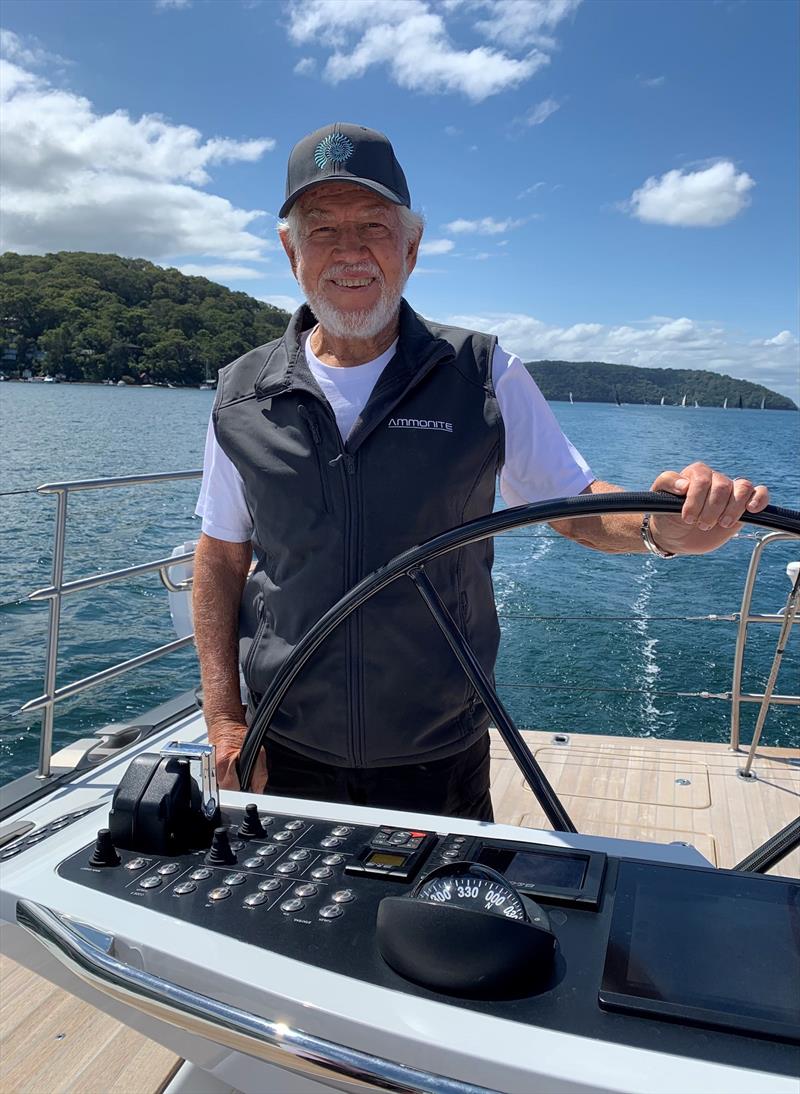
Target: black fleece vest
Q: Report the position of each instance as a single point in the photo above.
(423, 456)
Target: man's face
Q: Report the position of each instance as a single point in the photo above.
(352, 258)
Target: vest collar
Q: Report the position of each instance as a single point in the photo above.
(278, 372)
(286, 369)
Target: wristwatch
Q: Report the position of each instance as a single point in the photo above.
(650, 543)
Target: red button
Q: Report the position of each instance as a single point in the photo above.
(416, 835)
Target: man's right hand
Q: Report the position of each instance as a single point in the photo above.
(227, 738)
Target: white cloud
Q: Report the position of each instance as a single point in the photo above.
(74, 179)
(222, 272)
(280, 300)
(452, 131)
(693, 199)
(530, 190)
(658, 342)
(651, 81)
(536, 115)
(29, 52)
(485, 226)
(436, 246)
(175, 5)
(785, 338)
(411, 38)
(306, 66)
(516, 23)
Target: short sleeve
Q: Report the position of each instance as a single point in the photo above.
(221, 504)
(540, 461)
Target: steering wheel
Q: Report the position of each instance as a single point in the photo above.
(411, 564)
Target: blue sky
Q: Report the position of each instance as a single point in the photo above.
(600, 180)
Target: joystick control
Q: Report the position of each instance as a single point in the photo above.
(221, 852)
(104, 853)
(251, 827)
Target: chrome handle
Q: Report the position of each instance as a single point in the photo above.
(87, 953)
(205, 755)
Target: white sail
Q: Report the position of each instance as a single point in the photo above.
(725, 404)
(696, 403)
(570, 396)
(683, 401)
(663, 397)
(763, 400)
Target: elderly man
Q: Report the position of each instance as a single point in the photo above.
(364, 430)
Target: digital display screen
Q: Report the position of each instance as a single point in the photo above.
(715, 948)
(381, 858)
(536, 869)
(556, 871)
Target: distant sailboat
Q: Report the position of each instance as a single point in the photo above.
(570, 397)
(725, 404)
(683, 401)
(696, 403)
(739, 404)
(663, 397)
(763, 400)
(616, 396)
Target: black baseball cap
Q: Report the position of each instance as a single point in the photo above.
(345, 153)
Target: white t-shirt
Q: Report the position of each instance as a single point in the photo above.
(540, 462)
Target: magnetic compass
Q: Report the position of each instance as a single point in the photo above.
(465, 930)
(469, 885)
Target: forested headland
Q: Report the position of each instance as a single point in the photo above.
(597, 382)
(99, 317)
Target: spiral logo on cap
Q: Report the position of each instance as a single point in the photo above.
(335, 148)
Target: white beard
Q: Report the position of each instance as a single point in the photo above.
(355, 324)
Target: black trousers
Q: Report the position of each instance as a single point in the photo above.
(457, 786)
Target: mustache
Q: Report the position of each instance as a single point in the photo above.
(353, 269)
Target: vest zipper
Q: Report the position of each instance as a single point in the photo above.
(353, 624)
(358, 661)
(316, 437)
(353, 660)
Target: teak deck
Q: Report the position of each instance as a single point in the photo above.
(660, 791)
(615, 786)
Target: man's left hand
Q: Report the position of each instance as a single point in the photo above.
(711, 510)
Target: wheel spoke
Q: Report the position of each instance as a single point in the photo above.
(537, 780)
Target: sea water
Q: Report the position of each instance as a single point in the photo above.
(591, 642)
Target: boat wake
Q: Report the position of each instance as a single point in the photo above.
(512, 576)
(649, 670)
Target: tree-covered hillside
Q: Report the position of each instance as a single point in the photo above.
(102, 317)
(595, 382)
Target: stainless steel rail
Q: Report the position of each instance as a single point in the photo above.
(746, 617)
(55, 592)
(94, 580)
(45, 702)
(87, 953)
(790, 618)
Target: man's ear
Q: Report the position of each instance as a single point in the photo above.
(412, 251)
(283, 235)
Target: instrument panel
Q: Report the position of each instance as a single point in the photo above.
(366, 902)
